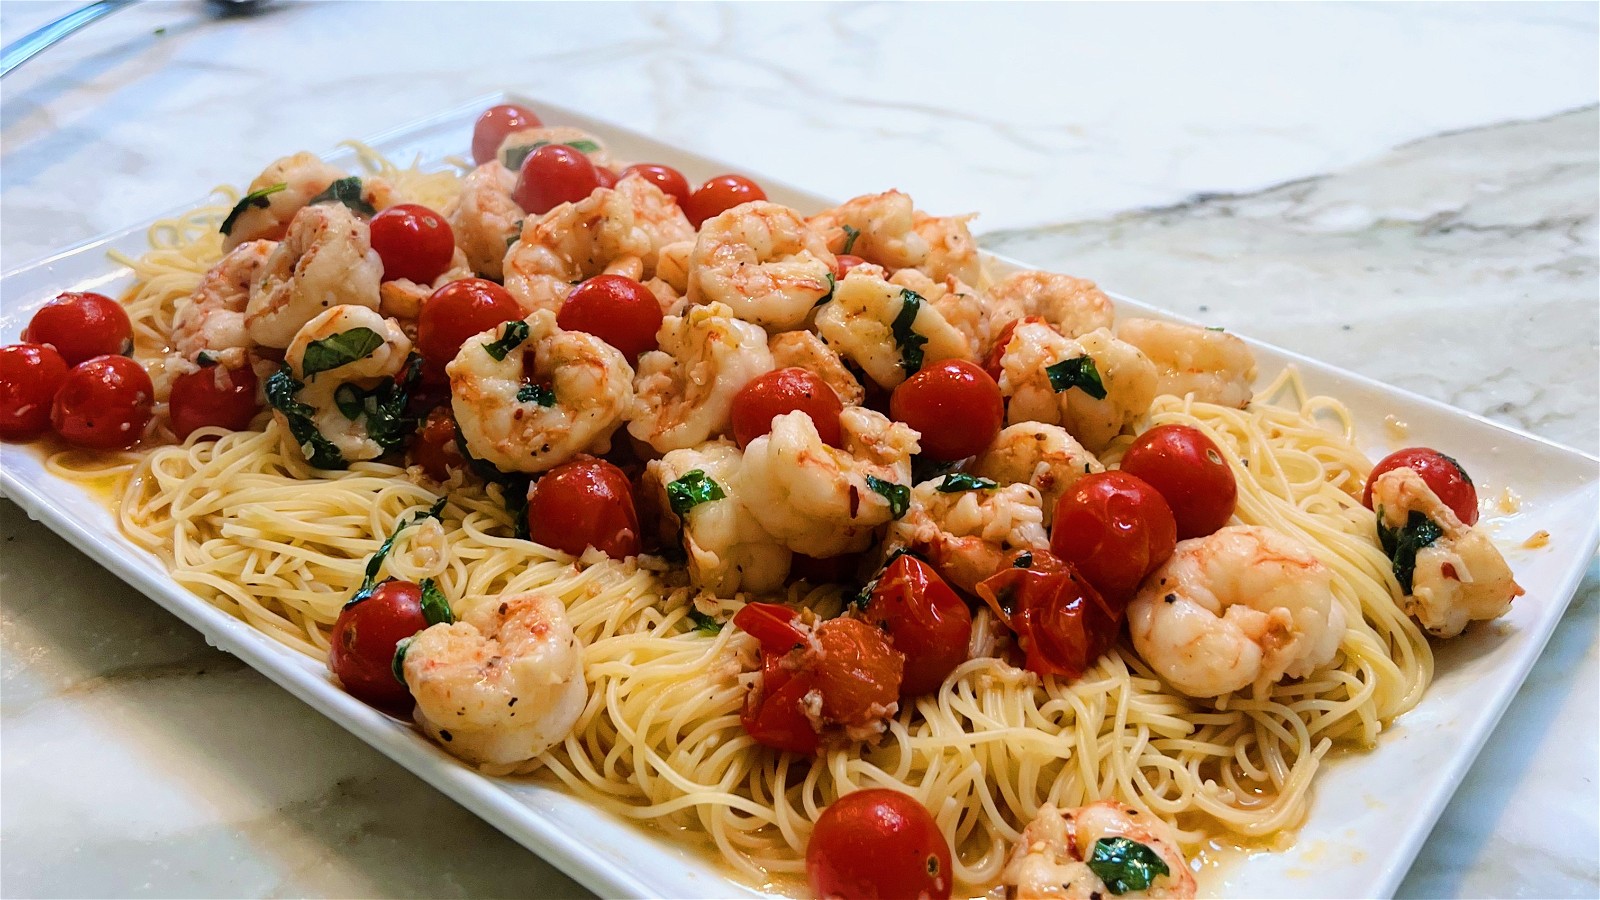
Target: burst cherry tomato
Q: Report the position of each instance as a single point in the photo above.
(772, 713)
(552, 175)
(843, 263)
(772, 625)
(434, 446)
(858, 671)
(616, 309)
(1443, 475)
(720, 194)
(925, 619)
(81, 326)
(878, 843)
(1115, 529)
(784, 391)
(456, 312)
(104, 404)
(496, 123)
(30, 375)
(608, 178)
(954, 405)
(215, 395)
(413, 241)
(361, 648)
(1061, 622)
(1189, 471)
(581, 504)
(668, 179)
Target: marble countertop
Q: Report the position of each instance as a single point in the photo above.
(1406, 191)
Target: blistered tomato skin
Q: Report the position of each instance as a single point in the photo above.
(213, 396)
(30, 375)
(552, 175)
(456, 312)
(720, 194)
(414, 243)
(1191, 474)
(361, 647)
(434, 446)
(1115, 529)
(668, 179)
(616, 309)
(784, 391)
(954, 406)
(495, 124)
(104, 404)
(926, 621)
(81, 326)
(878, 844)
(581, 504)
(1443, 475)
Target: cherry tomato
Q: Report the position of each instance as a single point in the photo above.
(616, 309)
(771, 624)
(1189, 471)
(1443, 475)
(772, 714)
(434, 446)
(954, 405)
(81, 326)
(997, 351)
(780, 392)
(608, 178)
(581, 504)
(413, 241)
(495, 124)
(1061, 622)
(456, 312)
(30, 375)
(858, 671)
(843, 263)
(104, 404)
(925, 619)
(361, 648)
(1116, 529)
(215, 395)
(668, 179)
(720, 194)
(878, 843)
(552, 175)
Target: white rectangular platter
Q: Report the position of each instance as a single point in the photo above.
(1371, 811)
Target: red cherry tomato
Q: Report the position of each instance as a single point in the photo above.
(608, 178)
(1189, 471)
(361, 648)
(1115, 529)
(997, 351)
(413, 241)
(81, 326)
(456, 312)
(30, 375)
(878, 844)
(104, 404)
(1443, 475)
(925, 619)
(772, 714)
(720, 194)
(858, 671)
(552, 175)
(616, 309)
(434, 446)
(771, 624)
(495, 124)
(780, 392)
(215, 395)
(581, 504)
(668, 179)
(844, 262)
(1061, 622)
(954, 405)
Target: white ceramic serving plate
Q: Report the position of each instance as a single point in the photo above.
(1371, 811)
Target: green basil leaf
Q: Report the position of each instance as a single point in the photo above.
(1215, 328)
(515, 156)
(583, 146)
(850, 235)
(387, 422)
(205, 358)
(898, 495)
(832, 283)
(398, 666)
(909, 340)
(511, 337)
(350, 400)
(704, 623)
(1401, 544)
(369, 578)
(338, 350)
(1078, 372)
(347, 191)
(1126, 865)
(1024, 560)
(281, 389)
(435, 605)
(693, 489)
(956, 482)
(542, 394)
(861, 598)
(254, 198)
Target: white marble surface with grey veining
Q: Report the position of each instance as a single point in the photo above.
(1406, 191)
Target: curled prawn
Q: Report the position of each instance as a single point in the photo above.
(325, 260)
(339, 394)
(1055, 855)
(1073, 305)
(1093, 385)
(684, 391)
(887, 330)
(212, 319)
(484, 218)
(1211, 364)
(762, 261)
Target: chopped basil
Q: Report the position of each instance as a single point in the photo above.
(544, 395)
(1126, 865)
(704, 623)
(205, 359)
(347, 191)
(1024, 560)
(254, 198)
(693, 489)
(898, 495)
(1078, 372)
(832, 283)
(350, 401)
(281, 389)
(909, 340)
(850, 235)
(1402, 544)
(956, 482)
(338, 350)
(861, 598)
(398, 667)
(925, 469)
(517, 154)
(435, 605)
(384, 408)
(511, 337)
(369, 578)
(515, 235)
(1215, 328)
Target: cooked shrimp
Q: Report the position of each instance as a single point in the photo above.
(684, 391)
(366, 373)
(485, 219)
(951, 249)
(1045, 456)
(967, 534)
(524, 141)
(867, 319)
(1074, 306)
(211, 320)
(763, 262)
(303, 177)
(672, 265)
(1094, 363)
(325, 260)
(728, 550)
(884, 226)
(1244, 606)
(544, 400)
(961, 305)
(1460, 576)
(1052, 858)
(1214, 366)
(804, 350)
(503, 684)
(818, 500)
